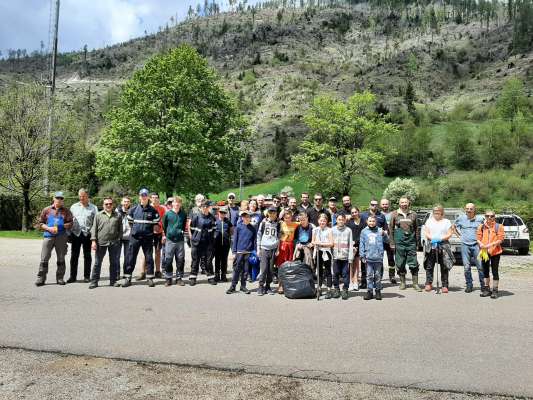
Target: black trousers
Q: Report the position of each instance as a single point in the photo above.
(201, 254)
(221, 259)
(147, 245)
(79, 242)
(324, 269)
(434, 257)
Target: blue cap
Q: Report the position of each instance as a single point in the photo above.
(59, 195)
(144, 192)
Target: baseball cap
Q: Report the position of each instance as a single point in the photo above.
(223, 209)
(206, 203)
(144, 192)
(244, 213)
(232, 195)
(170, 200)
(332, 199)
(59, 195)
(272, 209)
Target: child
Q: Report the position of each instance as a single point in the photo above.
(371, 251)
(267, 248)
(323, 242)
(343, 253)
(303, 238)
(286, 245)
(244, 240)
(222, 244)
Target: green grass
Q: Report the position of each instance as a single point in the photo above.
(21, 235)
(361, 195)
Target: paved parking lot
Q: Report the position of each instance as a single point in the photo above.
(455, 342)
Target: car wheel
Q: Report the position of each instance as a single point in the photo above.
(524, 251)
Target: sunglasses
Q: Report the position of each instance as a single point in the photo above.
(373, 204)
(490, 216)
(108, 204)
(318, 199)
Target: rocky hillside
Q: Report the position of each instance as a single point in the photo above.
(276, 60)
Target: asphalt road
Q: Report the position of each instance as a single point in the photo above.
(454, 342)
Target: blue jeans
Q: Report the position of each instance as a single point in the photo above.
(113, 249)
(469, 254)
(174, 250)
(341, 268)
(374, 270)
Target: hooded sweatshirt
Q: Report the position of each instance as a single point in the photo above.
(268, 234)
(371, 244)
(342, 243)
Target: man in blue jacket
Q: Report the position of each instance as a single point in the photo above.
(202, 229)
(142, 219)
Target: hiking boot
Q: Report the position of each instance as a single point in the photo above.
(244, 290)
(158, 275)
(203, 272)
(328, 294)
(378, 295)
(249, 280)
(71, 280)
(494, 294)
(415, 284)
(368, 295)
(275, 280)
(86, 280)
(402, 282)
(212, 281)
(93, 285)
(444, 289)
(40, 281)
(261, 291)
(336, 294)
(270, 291)
(60, 282)
(230, 290)
(362, 285)
(127, 282)
(180, 282)
(485, 292)
(223, 278)
(344, 294)
(141, 277)
(217, 278)
(192, 281)
(393, 280)
(428, 287)
(468, 289)
(168, 282)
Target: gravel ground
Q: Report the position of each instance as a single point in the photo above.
(41, 375)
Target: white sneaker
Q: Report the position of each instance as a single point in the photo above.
(350, 288)
(355, 287)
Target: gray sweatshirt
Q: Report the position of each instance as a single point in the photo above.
(268, 235)
(343, 243)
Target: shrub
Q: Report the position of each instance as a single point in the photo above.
(399, 188)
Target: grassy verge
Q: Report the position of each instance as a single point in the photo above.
(21, 235)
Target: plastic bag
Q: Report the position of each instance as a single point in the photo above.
(297, 280)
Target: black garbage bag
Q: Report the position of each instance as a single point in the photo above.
(297, 280)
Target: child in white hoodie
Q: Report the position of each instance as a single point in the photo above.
(342, 256)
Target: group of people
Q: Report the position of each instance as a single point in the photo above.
(340, 243)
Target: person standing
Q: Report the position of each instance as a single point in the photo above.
(174, 222)
(465, 226)
(286, 243)
(403, 241)
(372, 250)
(356, 227)
(261, 206)
(126, 232)
(83, 212)
(284, 200)
(158, 234)
(54, 220)
(106, 234)
(304, 204)
(384, 206)
(243, 243)
(303, 242)
(268, 236)
(142, 218)
(323, 243)
(293, 208)
(317, 210)
(202, 230)
(233, 209)
(437, 231)
(490, 236)
(381, 222)
(222, 244)
(347, 208)
(332, 209)
(342, 256)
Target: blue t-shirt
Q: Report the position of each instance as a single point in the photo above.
(468, 228)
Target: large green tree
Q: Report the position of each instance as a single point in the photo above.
(346, 140)
(175, 129)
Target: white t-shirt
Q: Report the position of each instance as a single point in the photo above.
(438, 228)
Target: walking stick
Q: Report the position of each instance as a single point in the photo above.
(318, 280)
(437, 290)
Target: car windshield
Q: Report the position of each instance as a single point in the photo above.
(509, 221)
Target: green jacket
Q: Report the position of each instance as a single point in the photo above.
(174, 225)
(106, 229)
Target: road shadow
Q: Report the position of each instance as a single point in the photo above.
(391, 295)
(505, 293)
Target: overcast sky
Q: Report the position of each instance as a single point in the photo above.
(97, 23)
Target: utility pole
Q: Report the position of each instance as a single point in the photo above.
(54, 19)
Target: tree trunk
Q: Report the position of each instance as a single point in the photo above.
(26, 209)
